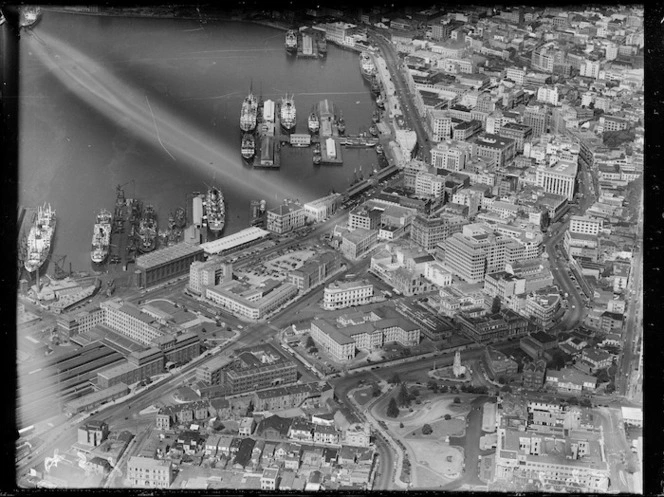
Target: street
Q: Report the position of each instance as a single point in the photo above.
(412, 118)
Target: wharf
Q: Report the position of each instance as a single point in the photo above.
(307, 46)
(330, 157)
(270, 138)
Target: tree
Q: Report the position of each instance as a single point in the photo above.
(495, 305)
(573, 401)
(602, 376)
(375, 390)
(400, 425)
(403, 397)
(457, 400)
(506, 388)
(392, 409)
(584, 402)
(447, 417)
(395, 380)
(427, 430)
(432, 385)
(414, 392)
(610, 388)
(501, 380)
(310, 342)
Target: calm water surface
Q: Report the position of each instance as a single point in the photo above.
(154, 104)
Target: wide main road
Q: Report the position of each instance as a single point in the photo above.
(631, 327)
(394, 65)
(559, 271)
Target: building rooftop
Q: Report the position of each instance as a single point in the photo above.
(165, 255)
(234, 240)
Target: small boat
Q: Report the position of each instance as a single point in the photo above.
(375, 117)
(373, 130)
(341, 124)
(180, 218)
(379, 149)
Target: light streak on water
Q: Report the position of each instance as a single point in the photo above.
(120, 102)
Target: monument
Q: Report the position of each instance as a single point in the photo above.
(458, 369)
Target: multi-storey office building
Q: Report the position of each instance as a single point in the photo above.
(476, 251)
(339, 295)
(209, 273)
(520, 133)
(495, 147)
(253, 303)
(315, 271)
(559, 178)
(537, 117)
(429, 231)
(505, 325)
(286, 217)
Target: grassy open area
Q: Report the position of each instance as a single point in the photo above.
(363, 396)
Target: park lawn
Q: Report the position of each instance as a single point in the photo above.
(454, 427)
(437, 456)
(363, 396)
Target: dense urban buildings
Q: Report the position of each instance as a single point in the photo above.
(466, 256)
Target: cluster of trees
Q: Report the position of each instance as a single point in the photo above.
(435, 387)
(481, 390)
(613, 139)
(311, 345)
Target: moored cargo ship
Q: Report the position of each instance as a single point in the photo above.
(147, 230)
(314, 123)
(288, 114)
(29, 16)
(249, 113)
(215, 209)
(291, 42)
(248, 146)
(101, 237)
(40, 238)
(367, 66)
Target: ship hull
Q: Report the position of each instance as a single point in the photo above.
(40, 239)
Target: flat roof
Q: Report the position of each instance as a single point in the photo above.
(234, 240)
(167, 254)
(98, 396)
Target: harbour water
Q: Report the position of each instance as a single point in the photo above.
(154, 105)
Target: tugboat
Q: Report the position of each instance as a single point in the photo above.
(248, 146)
(341, 124)
(180, 218)
(291, 42)
(318, 158)
(314, 123)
